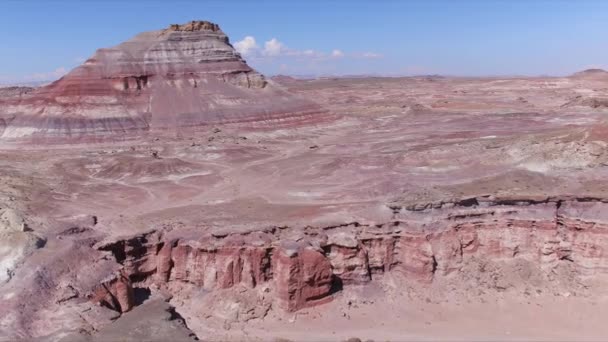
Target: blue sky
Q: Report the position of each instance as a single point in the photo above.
(43, 39)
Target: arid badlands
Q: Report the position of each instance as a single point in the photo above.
(166, 191)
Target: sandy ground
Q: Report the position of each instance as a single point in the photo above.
(384, 313)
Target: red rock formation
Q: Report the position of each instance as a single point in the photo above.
(303, 278)
(115, 293)
(585, 237)
(348, 259)
(164, 263)
(219, 267)
(415, 257)
(182, 76)
(423, 243)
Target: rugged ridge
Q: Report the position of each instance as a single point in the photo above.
(182, 76)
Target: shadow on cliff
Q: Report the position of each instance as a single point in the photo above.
(336, 285)
(140, 295)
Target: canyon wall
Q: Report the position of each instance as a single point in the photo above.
(423, 243)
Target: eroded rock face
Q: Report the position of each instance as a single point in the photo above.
(424, 243)
(303, 278)
(195, 26)
(115, 293)
(185, 75)
(471, 243)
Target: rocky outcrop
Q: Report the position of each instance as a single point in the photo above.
(456, 243)
(115, 293)
(196, 25)
(17, 241)
(183, 76)
(10, 220)
(425, 242)
(303, 277)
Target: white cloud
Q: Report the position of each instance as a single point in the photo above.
(337, 53)
(274, 50)
(371, 55)
(247, 46)
(314, 54)
(273, 47)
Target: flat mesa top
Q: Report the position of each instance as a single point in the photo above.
(195, 25)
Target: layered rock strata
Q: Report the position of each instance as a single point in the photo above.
(185, 75)
(422, 243)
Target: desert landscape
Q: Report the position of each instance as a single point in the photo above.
(165, 190)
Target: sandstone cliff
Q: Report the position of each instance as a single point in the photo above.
(424, 243)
